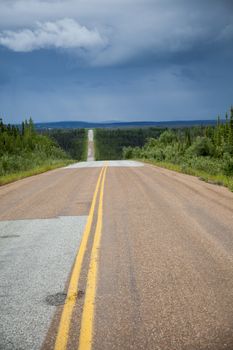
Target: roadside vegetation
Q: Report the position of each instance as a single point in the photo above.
(23, 152)
(109, 143)
(72, 141)
(206, 152)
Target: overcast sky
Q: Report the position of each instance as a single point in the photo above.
(99, 60)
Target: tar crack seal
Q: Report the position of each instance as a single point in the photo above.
(56, 299)
(60, 298)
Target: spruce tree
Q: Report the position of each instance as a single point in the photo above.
(226, 129)
(218, 135)
(23, 128)
(187, 138)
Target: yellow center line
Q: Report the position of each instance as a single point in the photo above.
(64, 326)
(86, 332)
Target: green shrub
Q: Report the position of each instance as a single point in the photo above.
(227, 165)
(202, 146)
(127, 152)
(167, 137)
(203, 151)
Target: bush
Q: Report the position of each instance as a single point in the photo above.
(167, 137)
(172, 153)
(227, 165)
(202, 146)
(127, 152)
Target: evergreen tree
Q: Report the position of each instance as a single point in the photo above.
(226, 129)
(218, 133)
(187, 138)
(23, 128)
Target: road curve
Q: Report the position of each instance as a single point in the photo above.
(157, 268)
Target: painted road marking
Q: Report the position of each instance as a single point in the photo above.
(86, 332)
(64, 326)
(100, 164)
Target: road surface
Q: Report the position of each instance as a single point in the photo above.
(90, 150)
(116, 255)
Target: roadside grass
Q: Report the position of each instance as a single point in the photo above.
(219, 179)
(53, 164)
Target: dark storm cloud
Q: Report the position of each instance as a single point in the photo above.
(122, 30)
(160, 59)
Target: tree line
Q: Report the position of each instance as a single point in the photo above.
(208, 149)
(24, 139)
(72, 141)
(109, 143)
(22, 148)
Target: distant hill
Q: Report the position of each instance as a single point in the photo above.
(88, 125)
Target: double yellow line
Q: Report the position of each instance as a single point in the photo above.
(85, 338)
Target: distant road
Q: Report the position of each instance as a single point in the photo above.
(90, 151)
(145, 254)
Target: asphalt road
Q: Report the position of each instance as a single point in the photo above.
(116, 255)
(90, 150)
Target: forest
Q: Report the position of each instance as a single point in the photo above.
(72, 141)
(24, 152)
(109, 143)
(203, 151)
